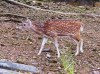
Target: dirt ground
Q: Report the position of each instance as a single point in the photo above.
(23, 46)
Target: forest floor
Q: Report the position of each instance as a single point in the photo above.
(23, 46)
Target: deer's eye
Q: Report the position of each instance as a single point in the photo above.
(24, 24)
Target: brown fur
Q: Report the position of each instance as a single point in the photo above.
(55, 28)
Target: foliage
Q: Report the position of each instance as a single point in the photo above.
(68, 62)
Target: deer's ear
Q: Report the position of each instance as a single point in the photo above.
(29, 22)
(23, 21)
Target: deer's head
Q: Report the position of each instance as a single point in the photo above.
(25, 25)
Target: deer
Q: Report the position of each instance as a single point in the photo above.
(57, 28)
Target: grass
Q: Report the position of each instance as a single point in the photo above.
(68, 62)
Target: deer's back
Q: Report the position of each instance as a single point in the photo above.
(62, 27)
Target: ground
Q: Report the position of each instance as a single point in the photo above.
(23, 46)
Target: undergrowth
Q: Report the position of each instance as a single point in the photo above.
(68, 62)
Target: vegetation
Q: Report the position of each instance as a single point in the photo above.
(68, 62)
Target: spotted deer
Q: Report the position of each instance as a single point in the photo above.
(57, 28)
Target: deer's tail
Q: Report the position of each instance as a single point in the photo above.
(81, 28)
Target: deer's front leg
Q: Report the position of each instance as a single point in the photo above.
(42, 45)
(81, 45)
(77, 48)
(57, 45)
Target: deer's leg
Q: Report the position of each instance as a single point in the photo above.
(54, 36)
(77, 39)
(79, 42)
(57, 45)
(77, 47)
(42, 45)
(81, 45)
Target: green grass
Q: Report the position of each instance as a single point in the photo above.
(68, 62)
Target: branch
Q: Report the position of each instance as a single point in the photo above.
(11, 15)
(13, 20)
(15, 66)
(57, 12)
(3, 71)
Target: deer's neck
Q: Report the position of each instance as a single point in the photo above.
(38, 28)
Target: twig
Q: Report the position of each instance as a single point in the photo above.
(57, 12)
(95, 70)
(69, 65)
(13, 20)
(11, 15)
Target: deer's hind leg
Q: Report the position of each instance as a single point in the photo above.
(77, 47)
(79, 41)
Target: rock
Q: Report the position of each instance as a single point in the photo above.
(46, 50)
(96, 72)
(2, 44)
(50, 72)
(48, 55)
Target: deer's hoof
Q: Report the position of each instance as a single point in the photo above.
(58, 56)
(76, 53)
(38, 53)
(82, 50)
